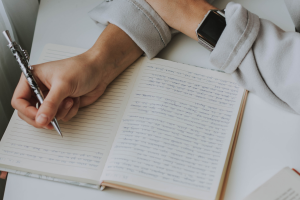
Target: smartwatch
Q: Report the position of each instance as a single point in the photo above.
(210, 29)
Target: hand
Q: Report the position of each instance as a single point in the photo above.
(182, 15)
(71, 85)
(75, 82)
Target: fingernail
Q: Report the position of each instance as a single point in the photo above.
(45, 127)
(69, 104)
(42, 119)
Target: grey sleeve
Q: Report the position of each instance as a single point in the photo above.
(138, 20)
(261, 57)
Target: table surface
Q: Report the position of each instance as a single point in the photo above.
(268, 139)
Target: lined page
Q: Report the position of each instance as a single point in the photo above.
(176, 131)
(80, 155)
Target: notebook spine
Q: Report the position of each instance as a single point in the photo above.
(49, 178)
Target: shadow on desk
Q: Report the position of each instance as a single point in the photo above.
(2, 188)
(2, 182)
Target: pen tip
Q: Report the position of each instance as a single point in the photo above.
(60, 134)
(55, 125)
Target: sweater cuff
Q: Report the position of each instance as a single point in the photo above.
(138, 20)
(237, 38)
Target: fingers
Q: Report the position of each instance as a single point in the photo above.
(68, 109)
(73, 111)
(22, 96)
(87, 100)
(32, 121)
(64, 108)
(49, 108)
(91, 97)
(22, 101)
(55, 104)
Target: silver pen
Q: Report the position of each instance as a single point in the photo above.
(22, 58)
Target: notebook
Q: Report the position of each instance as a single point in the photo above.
(162, 129)
(285, 185)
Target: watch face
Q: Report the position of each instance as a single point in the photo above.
(212, 28)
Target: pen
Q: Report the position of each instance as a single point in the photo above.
(22, 58)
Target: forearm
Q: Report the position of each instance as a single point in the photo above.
(182, 15)
(148, 28)
(115, 51)
(136, 18)
(238, 51)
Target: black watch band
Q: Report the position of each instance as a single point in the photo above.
(210, 29)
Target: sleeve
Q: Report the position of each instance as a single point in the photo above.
(261, 57)
(138, 19)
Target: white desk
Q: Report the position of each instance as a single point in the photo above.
(269, 138)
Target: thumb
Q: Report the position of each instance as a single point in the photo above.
(48, 109)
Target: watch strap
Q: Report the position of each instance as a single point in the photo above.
(205, 44)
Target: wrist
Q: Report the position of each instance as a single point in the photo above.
(100, 62)
(112, 53)
(182, 15)
(193, 17)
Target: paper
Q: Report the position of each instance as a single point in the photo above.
(285, 185)
(176, 131)
(88, 137)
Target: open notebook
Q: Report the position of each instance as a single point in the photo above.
(162, 129)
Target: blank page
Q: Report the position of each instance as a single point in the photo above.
(176, 132)
(80, 155)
